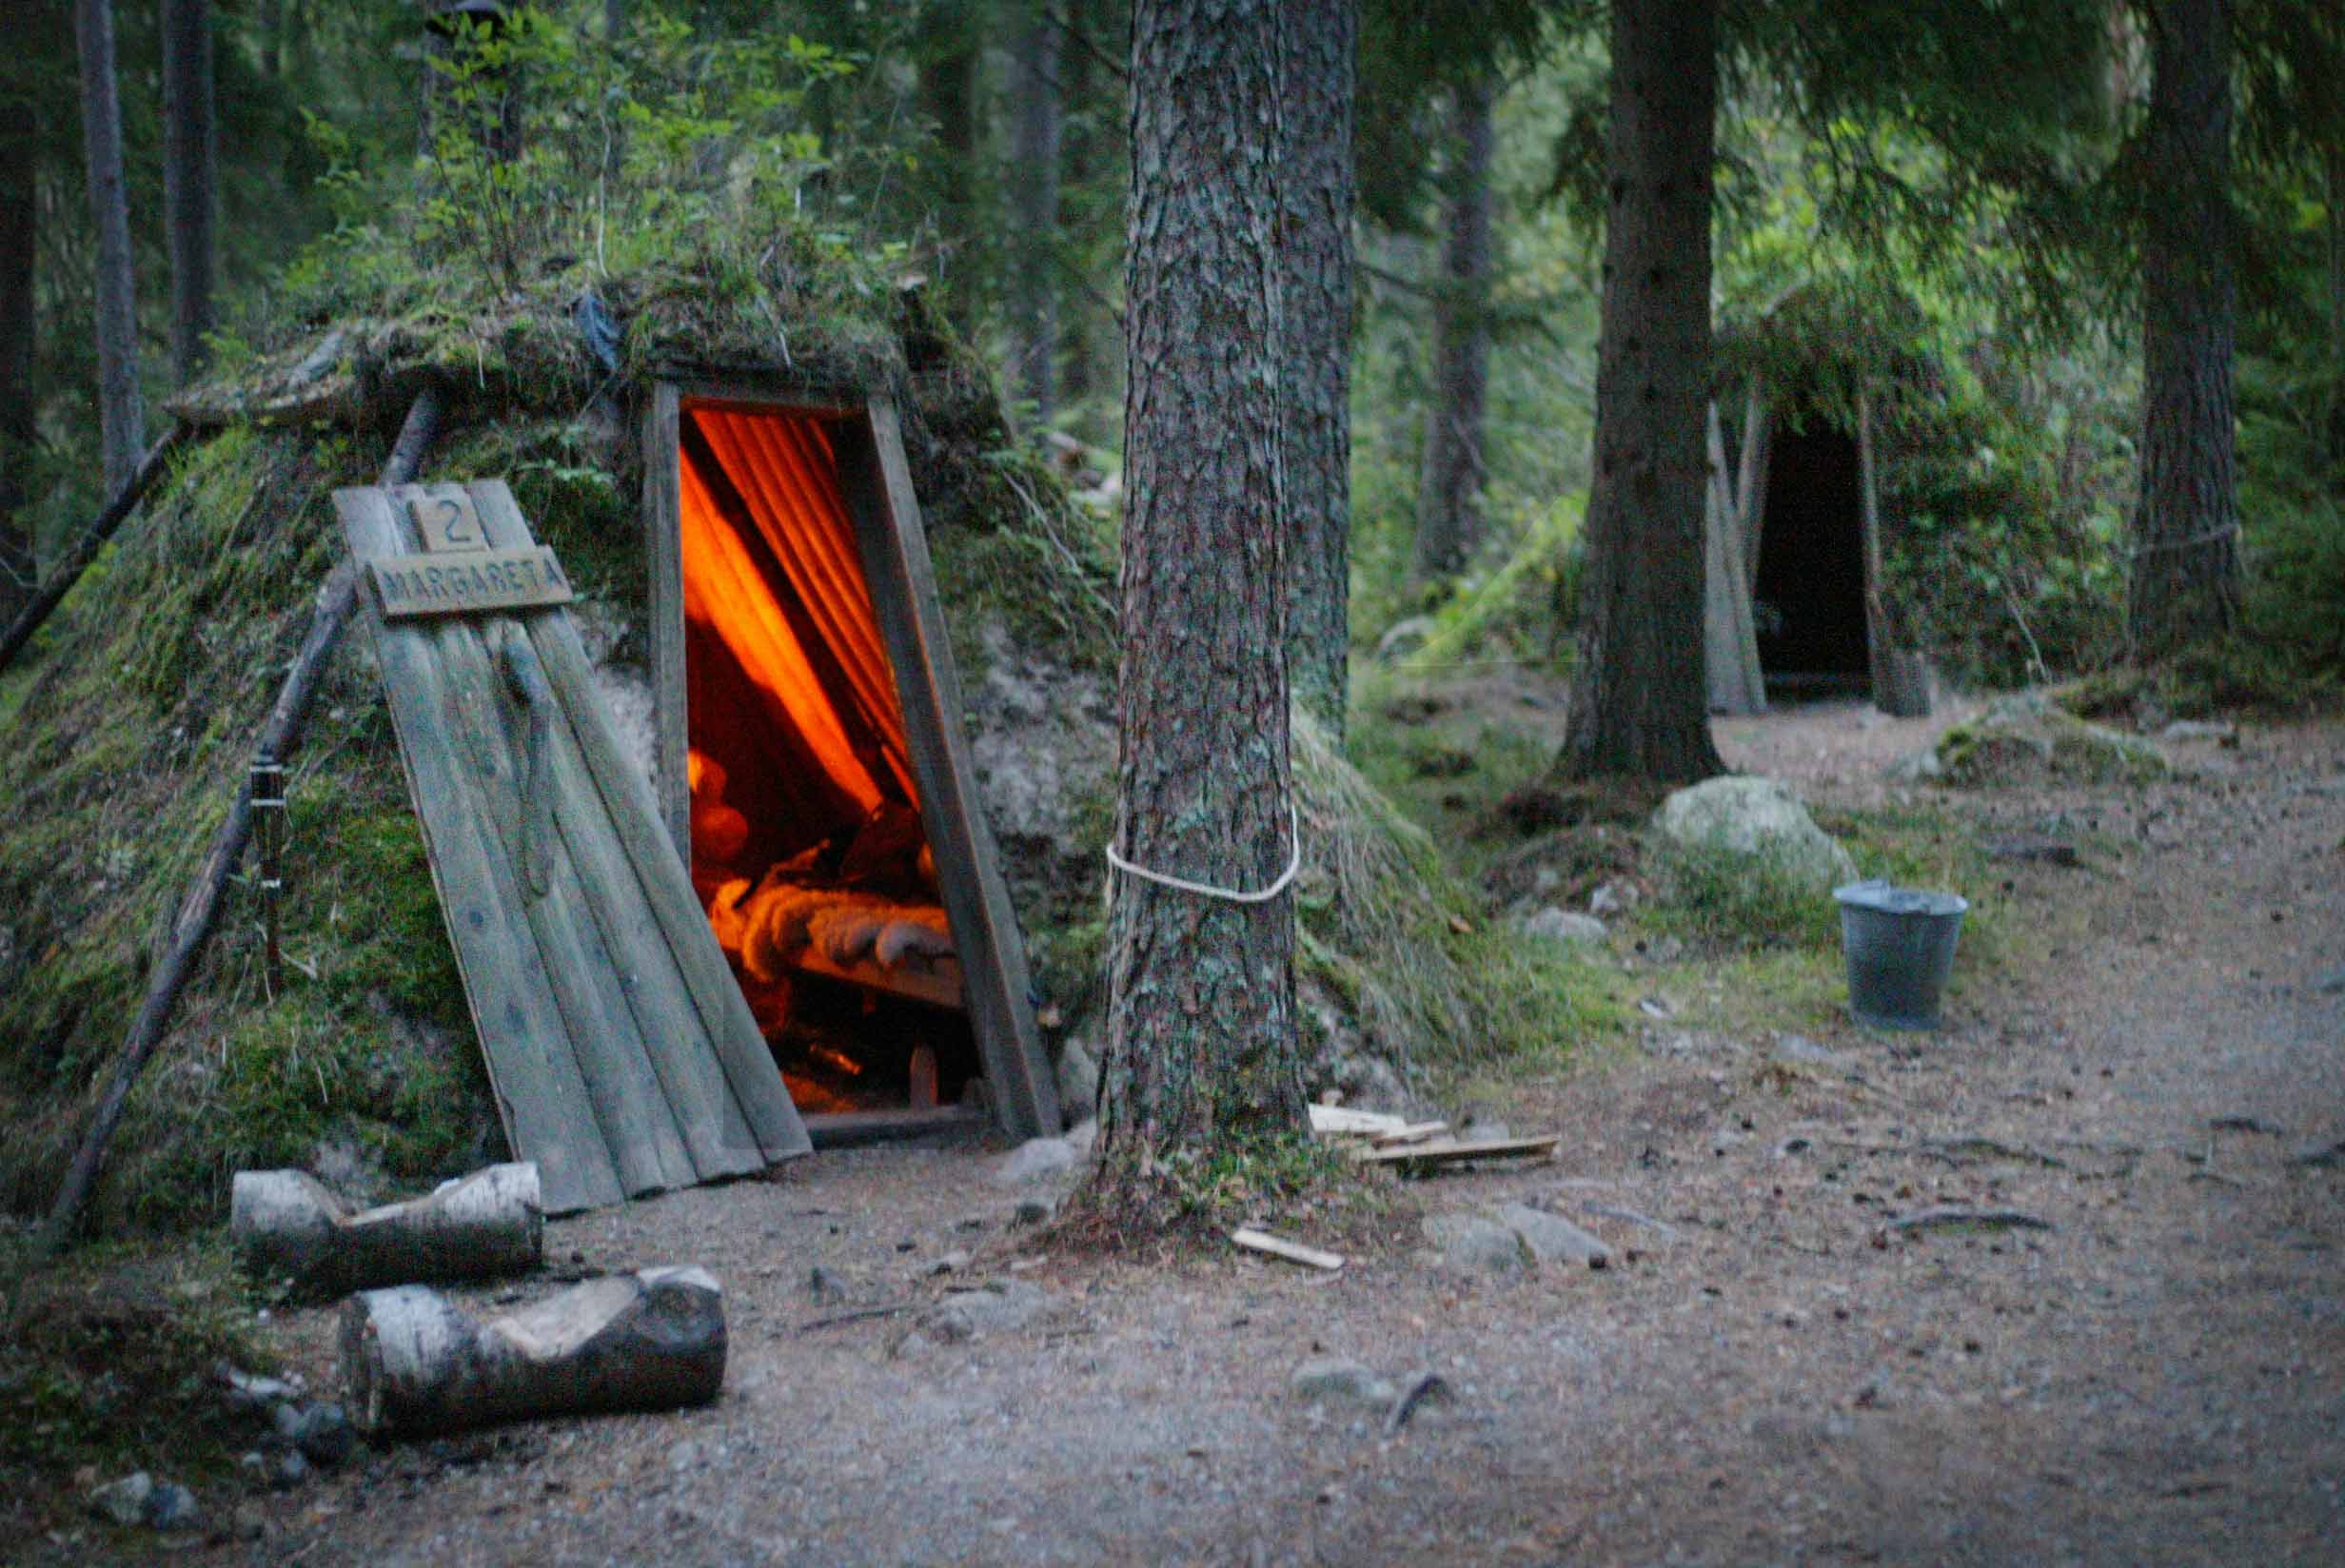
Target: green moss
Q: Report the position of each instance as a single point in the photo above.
(1728, 898)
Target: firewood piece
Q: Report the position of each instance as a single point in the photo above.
(413, 1363)
(201, 907)
(1960, 1216)
(1415, 1132)
(1450, 1152)
(285, 1223)
(1335, 1121)
(1278, 1246)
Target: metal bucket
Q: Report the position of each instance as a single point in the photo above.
(1899, 945)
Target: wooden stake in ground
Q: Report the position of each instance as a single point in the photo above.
(414, 1363)
(286, 1225)
(67, 572)
(202, 906)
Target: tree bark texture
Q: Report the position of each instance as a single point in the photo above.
(121, 406)
(1637, 696)
(286, 1225)
(1201, 1041)
(190, 188)
(1034, 202)
(2185, 582)
(1317, 194)
(19, 408)
(1450, 483)
(414, 1363)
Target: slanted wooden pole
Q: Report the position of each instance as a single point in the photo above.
(414, 1363)
(287, 1226)
(202, 906)
(60, 581)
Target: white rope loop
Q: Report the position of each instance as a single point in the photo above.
(1207, 889)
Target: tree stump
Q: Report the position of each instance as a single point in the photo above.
(285, 1223)
(414, 1363)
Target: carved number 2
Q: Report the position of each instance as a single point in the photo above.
(451, 522)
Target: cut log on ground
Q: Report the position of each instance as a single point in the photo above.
(286, 1224)
(202, 906)
(1278, 1246)
(413, 1363)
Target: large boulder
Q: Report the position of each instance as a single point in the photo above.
(2024, 739)
(1760, 818)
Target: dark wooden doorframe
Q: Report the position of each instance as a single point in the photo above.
(877, 482)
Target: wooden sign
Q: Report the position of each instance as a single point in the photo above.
(466, 580)
(446, 520)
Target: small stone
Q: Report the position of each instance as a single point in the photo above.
(1335, 1377)
(1476, 1244)
(124, 1501)
(1032, 1161)
(1032, 1211)
(2329, 981)
(1557, 924)
(955, 1262)
(249, 1394)
(173, 1507)
(320, 1429)
(288, 1469)
(1800, 1049)
(1607, 899)
(997, 1308)
(1550, 1238)
(248, 1522)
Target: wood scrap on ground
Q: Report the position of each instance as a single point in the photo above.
(286, 1224)
(1278, 1246)
(1956, 1217)
(1454, 1150)
(415, 1362)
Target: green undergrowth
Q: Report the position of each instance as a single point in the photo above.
(129, 727)
(1389, 930)
(2210, 680)
(106, 1363)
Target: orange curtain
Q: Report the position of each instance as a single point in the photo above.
(785, 469)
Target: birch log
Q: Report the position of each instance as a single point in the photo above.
(413, 1363)
(286, 1225)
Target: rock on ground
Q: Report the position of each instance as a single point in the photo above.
(2025, 739)
(1759, 818)
(1033, 1159)
(1338, 1376)
(1558, 924)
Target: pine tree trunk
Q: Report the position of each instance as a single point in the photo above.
(19, 410)
(1033, 207)
(122, 409)
(1638, 703)
(2186, 546)
(1449, 484)
(1201, 1041)
(191, 195)
(1317, 193)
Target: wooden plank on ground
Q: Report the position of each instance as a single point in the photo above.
(1408, 1156)
(1415, 1132)
(1340, 1121)
(758, 1091)
(540, 1095)
(1278, 1246)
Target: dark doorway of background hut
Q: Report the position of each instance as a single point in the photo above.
(1809, 600)
(807, 844)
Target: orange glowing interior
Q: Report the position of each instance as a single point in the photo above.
(807, 844)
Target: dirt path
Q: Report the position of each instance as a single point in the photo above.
(1766, 1374)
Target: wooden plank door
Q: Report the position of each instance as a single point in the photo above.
(619, 1066)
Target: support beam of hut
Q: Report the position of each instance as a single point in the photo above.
(201, 908)
(60, 581)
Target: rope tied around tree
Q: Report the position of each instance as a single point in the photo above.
(1208, 889)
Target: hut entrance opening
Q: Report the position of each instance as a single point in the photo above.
(808, 846)
(1808, 605)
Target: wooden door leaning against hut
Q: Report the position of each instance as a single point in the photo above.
(813, 769)
(624, 1059)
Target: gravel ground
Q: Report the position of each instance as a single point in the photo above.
(1766, 1372)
